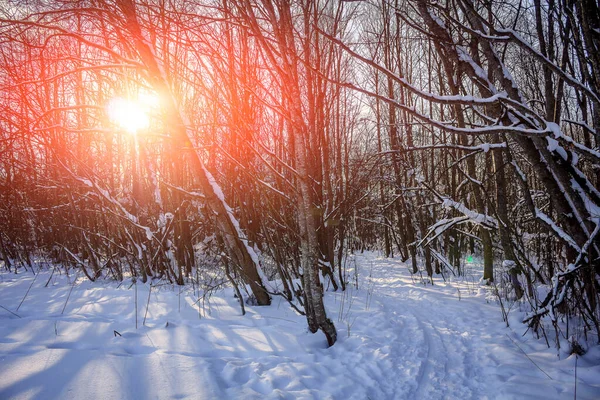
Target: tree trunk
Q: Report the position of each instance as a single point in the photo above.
(240, 253)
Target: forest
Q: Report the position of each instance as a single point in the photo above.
(240, 143)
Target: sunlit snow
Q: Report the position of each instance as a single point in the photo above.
(398, 339)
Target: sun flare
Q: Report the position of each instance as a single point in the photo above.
(132, 115)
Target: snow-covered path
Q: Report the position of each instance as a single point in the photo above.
(398, 339)
(456, 347)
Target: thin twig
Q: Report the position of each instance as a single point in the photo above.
(26, 293)
(10, 311)
(147, 305)
(70, 291)
(529, 357)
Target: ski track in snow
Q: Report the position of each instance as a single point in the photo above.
(413, 341)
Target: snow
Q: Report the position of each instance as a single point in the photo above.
(475, 217)
(591, 207)
(554, 146)
(558, 230)
(519, 171)
(437, 20)
(463, 55)
(398, 339)
(106, 195)
(219, 193)
(558, 134)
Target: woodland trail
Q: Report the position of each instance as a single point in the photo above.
(458, 344)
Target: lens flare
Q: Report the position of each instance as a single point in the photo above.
(132, 115)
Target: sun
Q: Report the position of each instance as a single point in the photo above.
(132, 115)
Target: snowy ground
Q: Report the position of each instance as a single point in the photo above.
(398, 339)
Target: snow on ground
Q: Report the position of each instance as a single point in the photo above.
(398, 339)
